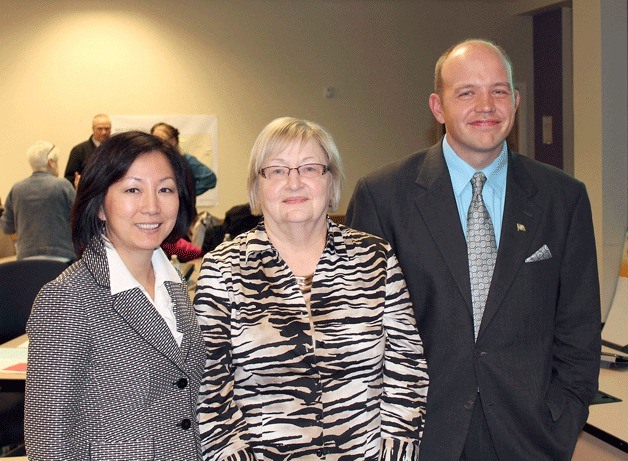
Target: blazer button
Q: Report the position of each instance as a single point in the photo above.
(468, 404)
(186, 424)
(182, 383)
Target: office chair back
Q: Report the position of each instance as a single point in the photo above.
(20, 281)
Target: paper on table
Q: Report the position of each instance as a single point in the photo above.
(13, 358)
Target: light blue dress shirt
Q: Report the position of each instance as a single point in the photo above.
(493, 193)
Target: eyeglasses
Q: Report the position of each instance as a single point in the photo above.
(50, 152)
(278, 172)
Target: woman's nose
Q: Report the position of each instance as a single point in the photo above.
(150, 204)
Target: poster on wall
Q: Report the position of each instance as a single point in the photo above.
(198, 136)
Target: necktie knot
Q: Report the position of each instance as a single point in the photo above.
(477, 182)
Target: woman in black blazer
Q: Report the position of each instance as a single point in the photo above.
(115, 353)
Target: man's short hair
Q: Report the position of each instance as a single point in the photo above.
(39, 154)
(100, 116)
(438, 69)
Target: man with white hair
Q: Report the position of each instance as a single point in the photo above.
(101, 131)
(38, 207)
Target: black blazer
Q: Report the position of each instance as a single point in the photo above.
(536, 359)
(78, 158)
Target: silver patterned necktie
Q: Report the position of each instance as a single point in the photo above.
(481, 249)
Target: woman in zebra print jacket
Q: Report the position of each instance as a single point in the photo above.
(312, 348)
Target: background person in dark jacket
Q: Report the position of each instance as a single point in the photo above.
(80, 154)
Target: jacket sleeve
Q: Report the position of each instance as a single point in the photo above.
(221, 423)
(405, 372)
(204, 177)
(75, 163)
(58, 359)
(7, 220)
(577, 341)
(362, 213)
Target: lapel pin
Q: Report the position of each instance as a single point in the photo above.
(521, 227)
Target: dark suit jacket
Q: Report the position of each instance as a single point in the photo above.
(536, 359)
(78, 159)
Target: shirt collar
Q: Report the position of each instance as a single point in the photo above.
(257, 241)
(461, 172)
(123, 280)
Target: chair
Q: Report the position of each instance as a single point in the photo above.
(20, 281)
(338, 218)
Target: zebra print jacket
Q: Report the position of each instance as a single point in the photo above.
(353, 387)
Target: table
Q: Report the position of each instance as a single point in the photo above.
(7, 259)
(13, 381)
(609, 421)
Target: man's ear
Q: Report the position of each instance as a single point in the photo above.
(436, 107)
(53, 166)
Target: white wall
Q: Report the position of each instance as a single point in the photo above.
(246, 61)
(600, 120)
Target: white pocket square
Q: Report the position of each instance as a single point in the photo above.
(540, 255)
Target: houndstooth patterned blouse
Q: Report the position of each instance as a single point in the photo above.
(106, 379)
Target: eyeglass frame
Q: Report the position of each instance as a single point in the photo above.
(263, 174)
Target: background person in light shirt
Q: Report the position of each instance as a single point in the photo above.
(38, 208)
(115, 354)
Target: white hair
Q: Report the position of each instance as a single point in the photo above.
(39, 154)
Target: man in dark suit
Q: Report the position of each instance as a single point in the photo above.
(514, 358)
(101, 130)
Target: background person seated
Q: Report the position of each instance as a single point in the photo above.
(204, 177)
(183, 249)
(238, 220)
(38, 207)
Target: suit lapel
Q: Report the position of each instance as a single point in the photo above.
(521, 219)
(135, 308)
(142, 317)
(185, 317)
(437, 205)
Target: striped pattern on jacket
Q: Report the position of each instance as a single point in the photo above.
(352, 388)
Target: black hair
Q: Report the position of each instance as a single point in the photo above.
(107, 165)
(171, 131)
